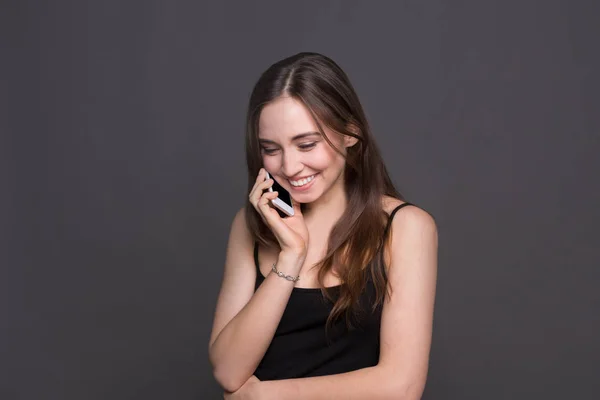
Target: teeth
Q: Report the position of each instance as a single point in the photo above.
(302, 182)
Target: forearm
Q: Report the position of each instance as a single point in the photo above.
(239, 347)
(371, 383)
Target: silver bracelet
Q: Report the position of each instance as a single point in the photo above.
(284, 276)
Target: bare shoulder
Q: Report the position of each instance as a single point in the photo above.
(240, 241)
(240, 217)
(239, 225)
(410, 214)
(411, 227)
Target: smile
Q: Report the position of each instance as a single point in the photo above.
(302, 182)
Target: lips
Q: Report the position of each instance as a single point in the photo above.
(301, 182)
(306, 186)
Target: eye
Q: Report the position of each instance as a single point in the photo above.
(307, 146)
(268, 151)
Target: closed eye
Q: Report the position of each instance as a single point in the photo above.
(268, 151)
(304, 146)
(307, 146)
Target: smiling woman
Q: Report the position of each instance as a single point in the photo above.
(356, 320)
(295, 157)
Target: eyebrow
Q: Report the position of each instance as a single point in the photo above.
(296, 137)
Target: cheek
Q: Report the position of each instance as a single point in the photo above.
(270, 163)
(327, 158)
(317, 160)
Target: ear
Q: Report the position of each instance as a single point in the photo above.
(350, 141)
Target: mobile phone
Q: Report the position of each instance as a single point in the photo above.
(283, 201)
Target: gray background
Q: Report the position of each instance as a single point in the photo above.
(122, 164)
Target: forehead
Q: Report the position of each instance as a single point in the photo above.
(284, 118)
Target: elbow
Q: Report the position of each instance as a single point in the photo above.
(228, 380)
(225, 381)
(226, 376)
(404, 389)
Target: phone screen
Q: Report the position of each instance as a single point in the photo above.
(283, 194)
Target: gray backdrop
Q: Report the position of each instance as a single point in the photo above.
(122, 163)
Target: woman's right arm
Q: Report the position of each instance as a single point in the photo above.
(245, 321)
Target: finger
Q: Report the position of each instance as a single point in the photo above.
(258, 190)
(265, 185)
(266, 197)
(260, 176)
(264, 205)
(261, 182)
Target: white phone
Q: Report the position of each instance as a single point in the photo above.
(283, 201)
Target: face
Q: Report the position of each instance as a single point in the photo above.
(294, 152)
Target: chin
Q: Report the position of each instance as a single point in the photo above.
(306, 198)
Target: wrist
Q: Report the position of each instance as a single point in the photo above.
(291, 260)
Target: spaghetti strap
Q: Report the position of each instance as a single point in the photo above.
(391, 217)
(385, 233)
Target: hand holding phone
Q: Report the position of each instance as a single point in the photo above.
(283, 201)
(291, 230)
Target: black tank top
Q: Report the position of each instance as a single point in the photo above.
(300, 346)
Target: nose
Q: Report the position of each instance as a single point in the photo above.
(290, 164)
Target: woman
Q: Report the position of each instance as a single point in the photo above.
(353, 319)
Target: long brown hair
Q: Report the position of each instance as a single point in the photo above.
(357, 237)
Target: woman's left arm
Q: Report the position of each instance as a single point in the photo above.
(406, 325)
